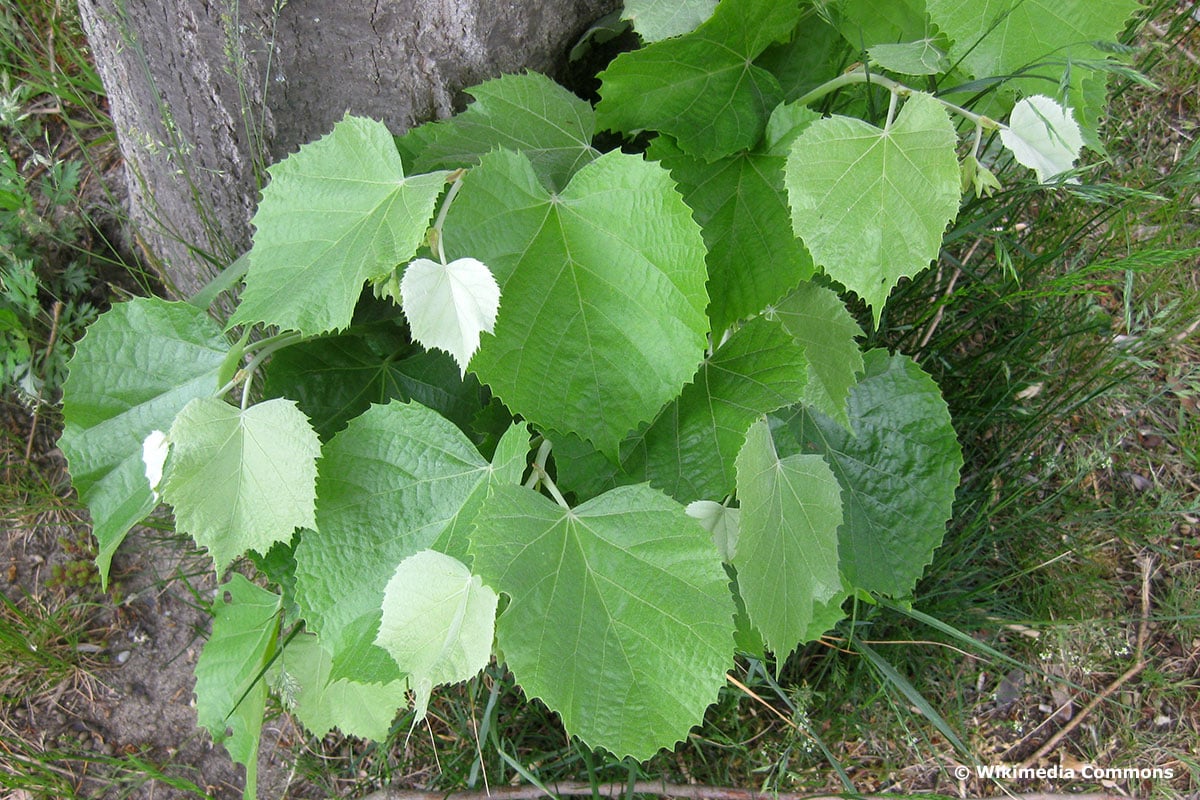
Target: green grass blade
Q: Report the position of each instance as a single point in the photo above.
(912, 695)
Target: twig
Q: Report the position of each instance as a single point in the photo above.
(37, 407)
(1161, 33)
(937, 317)
(1183, 337)
(1138, 666)
(758, 699)
(659, 789)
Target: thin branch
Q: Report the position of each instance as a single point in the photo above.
(455, 180)
(37, 407)
(658, 789)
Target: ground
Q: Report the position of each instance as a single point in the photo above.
(117, 667)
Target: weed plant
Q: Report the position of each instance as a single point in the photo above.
(1055, 346)
(54, 262)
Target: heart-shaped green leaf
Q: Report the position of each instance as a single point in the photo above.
(336, 213)
(603, 286)
(897, 465)
(241, 479)
(873, 203)
(620, 616)
(449, 305)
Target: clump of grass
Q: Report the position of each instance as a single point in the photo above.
(55, 261)
(1066, 351)
(76, 770)
(43, 51)
(42, 645)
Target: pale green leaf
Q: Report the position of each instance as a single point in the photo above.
(1043, 136)
(872, 204)
(241, 479)
(701, 88)
(231, 695)
(898, 468)
(655, 20)
(448, 306)
(336, 213)
(138, 365)
(528, 113)
(438, 623)
(921, 57)
(787, 558)
(399, 479)
(302, 677)
(817, 319)
(620, 617)
(722, 523)
(753, 257)
(335, 378)
(1038, 39)
(603, 285)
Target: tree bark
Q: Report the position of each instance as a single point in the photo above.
(205, 93)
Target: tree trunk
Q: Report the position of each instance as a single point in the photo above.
(206, 93)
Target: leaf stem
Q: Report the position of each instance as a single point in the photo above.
(265, 348)
(249, 376)
(539, 464)
(545, 480)
(860, 75)
(275, 342)
(455, 179)
(539, 477)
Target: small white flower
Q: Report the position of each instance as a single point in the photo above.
(154, 456)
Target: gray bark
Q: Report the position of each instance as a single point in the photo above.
(206, 93)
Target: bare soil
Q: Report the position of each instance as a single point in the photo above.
(122, 696)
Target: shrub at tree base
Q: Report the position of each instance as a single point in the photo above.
(605, 386)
